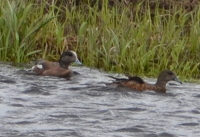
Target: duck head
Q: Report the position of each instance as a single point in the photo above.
(165, 76)
(67, 58)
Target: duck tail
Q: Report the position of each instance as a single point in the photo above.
(114, 77)
(118, 79)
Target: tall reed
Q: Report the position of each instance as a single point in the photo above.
(147, 43)
(121, 38)
(19, 29)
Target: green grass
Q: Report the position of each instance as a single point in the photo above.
(123, 39)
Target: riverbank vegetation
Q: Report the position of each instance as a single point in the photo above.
(141, 37)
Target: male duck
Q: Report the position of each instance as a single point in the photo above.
(58, 69)
(137, 83)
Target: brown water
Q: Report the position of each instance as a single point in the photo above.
(36, 106)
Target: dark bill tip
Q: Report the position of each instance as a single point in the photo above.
(177, 80)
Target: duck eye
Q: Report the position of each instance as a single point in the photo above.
(170, 73)
(68, 53)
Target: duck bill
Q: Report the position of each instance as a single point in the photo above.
(177, 80)
(77, 62)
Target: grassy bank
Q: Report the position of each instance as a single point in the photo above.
(123, 38)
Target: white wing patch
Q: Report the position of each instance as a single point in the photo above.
(38, 66)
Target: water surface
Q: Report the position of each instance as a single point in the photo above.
(38, 106)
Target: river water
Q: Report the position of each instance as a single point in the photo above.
(38, 106)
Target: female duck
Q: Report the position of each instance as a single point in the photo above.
(137, 83)
(58, 69)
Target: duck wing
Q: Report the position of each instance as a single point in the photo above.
(130, 78)
(135, 78)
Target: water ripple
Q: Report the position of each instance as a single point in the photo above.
(84, 106)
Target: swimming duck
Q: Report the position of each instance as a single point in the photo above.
(60, 68)
(137, 83)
